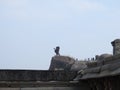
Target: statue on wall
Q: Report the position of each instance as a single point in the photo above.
(57, 49)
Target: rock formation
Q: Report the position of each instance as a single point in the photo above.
(78, 65)
(61, 63)
(102, 57)
(66, 63)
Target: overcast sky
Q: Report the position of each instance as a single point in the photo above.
(30, 29)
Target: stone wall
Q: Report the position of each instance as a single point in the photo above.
(105, 83)
(116, 46)
(105, 75)
(43, 86)
(36, 75)
(46, 88)
(40, 80)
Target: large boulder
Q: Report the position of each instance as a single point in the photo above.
(61, 63)
(66, 63)
(102, 58)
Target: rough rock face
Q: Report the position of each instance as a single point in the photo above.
(102, 57)
(78, 65)
(66, 63)
(111, 67)
(61, 63)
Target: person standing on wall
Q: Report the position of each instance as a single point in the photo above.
(57, 49)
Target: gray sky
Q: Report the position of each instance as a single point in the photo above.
(30, 29)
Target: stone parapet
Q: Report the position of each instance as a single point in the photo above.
(36, 75)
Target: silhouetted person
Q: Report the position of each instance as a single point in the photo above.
(57, 50)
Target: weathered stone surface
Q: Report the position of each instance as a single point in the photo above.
(55, 88)
(116, 46)
(110, 67)
(61, 63)
(91, 64)
(102, 58)
(66, 63)
(93, 70)
(9, 88)
(36, 75)
(78, 65)
(48, 88)
(51, 85)
(113, 59)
